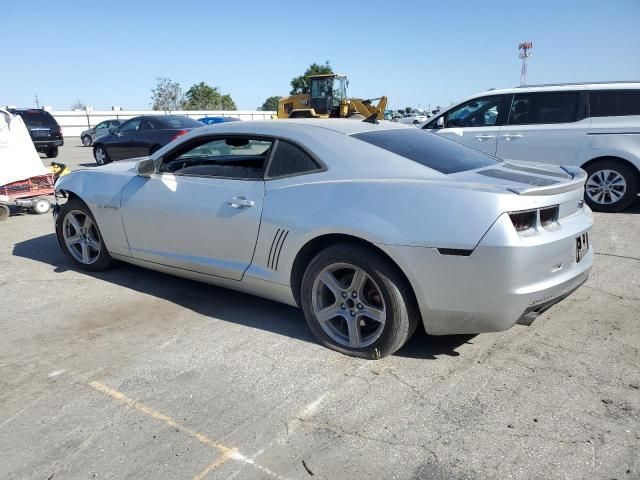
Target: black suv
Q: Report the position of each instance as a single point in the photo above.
(45, 132)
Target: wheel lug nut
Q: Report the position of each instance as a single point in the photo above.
(344, 294)
(353, 314)
(354, 294)
(360, 307)
(342, 306)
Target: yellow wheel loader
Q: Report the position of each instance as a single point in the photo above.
(328, 99)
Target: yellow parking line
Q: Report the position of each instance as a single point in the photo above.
(226, 452)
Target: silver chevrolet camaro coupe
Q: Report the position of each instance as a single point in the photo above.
(369, 228)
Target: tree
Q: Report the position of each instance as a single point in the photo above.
(227, 103)
(204, 97)
(270, 104)
(167, 95)
(407, 110)
(301, 84)
(78, 105)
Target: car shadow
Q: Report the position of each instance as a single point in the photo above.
(220, 303)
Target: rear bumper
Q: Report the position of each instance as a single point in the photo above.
(506, 279)
(45, 144)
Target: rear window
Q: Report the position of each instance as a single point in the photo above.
(180, 122)
(36, 117)
(614, 103)
(428, 149)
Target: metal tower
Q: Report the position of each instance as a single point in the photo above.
(525, 53)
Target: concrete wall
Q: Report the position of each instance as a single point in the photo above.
(74, 122)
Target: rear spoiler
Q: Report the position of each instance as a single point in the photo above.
(577, 181)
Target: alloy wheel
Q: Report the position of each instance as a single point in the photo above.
(348, 305)
(81, 237)
(605, 187)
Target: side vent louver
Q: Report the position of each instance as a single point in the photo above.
(276, 248)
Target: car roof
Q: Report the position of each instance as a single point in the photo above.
(340, 125)
(559, 87)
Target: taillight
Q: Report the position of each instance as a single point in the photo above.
(179, 133)
(528, 219)
(525, 220)
(549, 215)
(61, 135)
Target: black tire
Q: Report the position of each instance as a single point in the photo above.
(630, 177)
(402, 311)
(86, 141)
(104, 260)
(96, 155)
(52, 152)
(4, 212)
(154, 149)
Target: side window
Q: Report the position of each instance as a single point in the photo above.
(230, 157)
(147, 125)
(482, 112)
(614, 103)
(130, 126)
(289, 159)
(538, 108)
(102, 125)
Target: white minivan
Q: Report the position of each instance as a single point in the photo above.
(595, 126)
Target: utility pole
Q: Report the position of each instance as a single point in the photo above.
(525, 54)
(37, 102)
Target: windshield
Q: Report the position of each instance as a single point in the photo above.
(321, 87)
(428, 149)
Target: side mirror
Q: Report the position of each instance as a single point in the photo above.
(145, 168)
(113, 130)
(440, 122)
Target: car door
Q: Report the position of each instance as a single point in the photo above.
(475, 123)
(120, 145)
(201, 211)
(545, 127)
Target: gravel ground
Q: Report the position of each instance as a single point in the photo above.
(135, 374)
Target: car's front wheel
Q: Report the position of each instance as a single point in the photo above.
(100, 154)
(86, 141)
(356, 302)
(611, 185)
(80, 237)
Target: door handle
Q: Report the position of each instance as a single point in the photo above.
(482, 138)
(240, 202)
(511, 136)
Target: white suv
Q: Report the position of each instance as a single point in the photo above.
(595, 126)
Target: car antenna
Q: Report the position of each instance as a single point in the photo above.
(371, 119)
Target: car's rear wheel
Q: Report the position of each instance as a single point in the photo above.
(86, 141)
(52, 152)
(80, 237)
(611, 185)
(356, 302)
(100, 154)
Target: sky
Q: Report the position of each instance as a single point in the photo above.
(418, 53)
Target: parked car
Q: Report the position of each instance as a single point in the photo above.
(595, 126)
(412, 119)
(141, 136)
(89, 136)
(44, 130)
(369, 228)
(214, 120)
